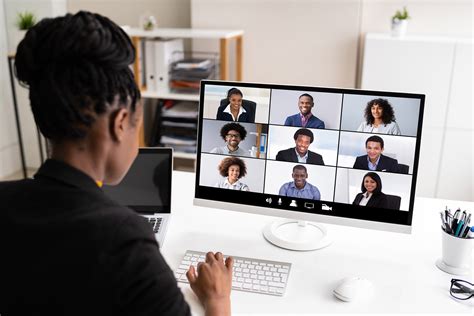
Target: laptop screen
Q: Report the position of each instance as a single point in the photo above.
(146, 188)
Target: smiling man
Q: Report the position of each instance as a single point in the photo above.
(374, 160)
(300, 153)
(304, 118)
(299, 188)
(232, 134)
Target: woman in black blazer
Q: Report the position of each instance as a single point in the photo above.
(235, 108)
(372, 194)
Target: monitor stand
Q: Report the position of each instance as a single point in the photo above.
(297, 235)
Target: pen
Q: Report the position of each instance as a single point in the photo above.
(455, 220)
(460, 224)
(444, 224)
(465, 227)
(465, 232)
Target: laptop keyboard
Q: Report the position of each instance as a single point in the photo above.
(155, 222)
(249, 275)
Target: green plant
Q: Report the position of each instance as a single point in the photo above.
(401, 15)
(25, 20)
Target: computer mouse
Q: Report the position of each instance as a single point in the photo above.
(354, 288)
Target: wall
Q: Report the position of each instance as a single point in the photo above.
(168, 13)
(9, 151)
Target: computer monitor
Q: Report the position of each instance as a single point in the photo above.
(309, 154)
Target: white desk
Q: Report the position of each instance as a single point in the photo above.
(402, 267)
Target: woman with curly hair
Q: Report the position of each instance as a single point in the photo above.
(380, 118)
(232, 169)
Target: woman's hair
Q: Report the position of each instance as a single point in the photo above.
(388, 115)
(229, 161)
(374, 177)
(233, 127)
(75, 67)
(233, 91)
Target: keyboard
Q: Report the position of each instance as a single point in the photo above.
(155, 223)
(249, 275)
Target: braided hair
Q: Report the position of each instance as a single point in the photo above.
(75, 67)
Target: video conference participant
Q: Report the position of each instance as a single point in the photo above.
(304, 118)
(299, 187)
(236, 110)
(232, 169)
(374, 160)
(300, 153)
(372, 194)
(379, 118)
(91, 255)
(232, 134)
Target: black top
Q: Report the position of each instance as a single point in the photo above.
(378, 200)
(68, 249)
(290, 155)
(248, 116)
(385, 163)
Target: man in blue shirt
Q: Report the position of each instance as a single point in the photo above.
(305, 118)
(299, 188)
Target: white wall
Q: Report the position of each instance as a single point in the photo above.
(41, 9)
(9, 150)
(168, 13)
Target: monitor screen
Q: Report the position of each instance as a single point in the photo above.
(339, 154)
(146, 187)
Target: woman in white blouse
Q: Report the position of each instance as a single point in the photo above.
(232, 169)
(379, 118)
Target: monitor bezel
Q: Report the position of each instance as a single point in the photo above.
(377, 224)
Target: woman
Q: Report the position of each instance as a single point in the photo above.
(89, 252)
(232, 169)
(234, 109)
(380, 118)
(371, 195)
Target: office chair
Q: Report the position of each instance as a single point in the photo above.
(249, 106)
(403, 168)
(393, 201)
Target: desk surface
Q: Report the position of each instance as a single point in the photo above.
(401, 267)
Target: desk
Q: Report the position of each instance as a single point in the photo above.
(402, 267)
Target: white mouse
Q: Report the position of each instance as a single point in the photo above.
(354, 288)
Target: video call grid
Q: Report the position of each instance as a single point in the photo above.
(339, 131)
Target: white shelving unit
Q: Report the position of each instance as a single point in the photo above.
(224, 36)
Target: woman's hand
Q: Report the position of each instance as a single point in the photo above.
(212, 283)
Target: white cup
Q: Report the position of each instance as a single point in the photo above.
(456, 254)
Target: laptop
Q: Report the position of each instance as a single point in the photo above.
(146, 188)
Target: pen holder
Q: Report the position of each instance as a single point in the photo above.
(456, 254)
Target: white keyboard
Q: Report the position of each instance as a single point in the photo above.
(249, 275)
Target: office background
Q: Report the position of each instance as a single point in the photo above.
(308, 42)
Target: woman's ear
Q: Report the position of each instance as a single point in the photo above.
(119, 121)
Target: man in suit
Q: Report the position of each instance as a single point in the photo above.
(374, 160)
(305, 118)
(300, 153)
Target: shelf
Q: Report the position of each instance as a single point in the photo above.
(183, 155)
(170, 96)
(183, 33)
